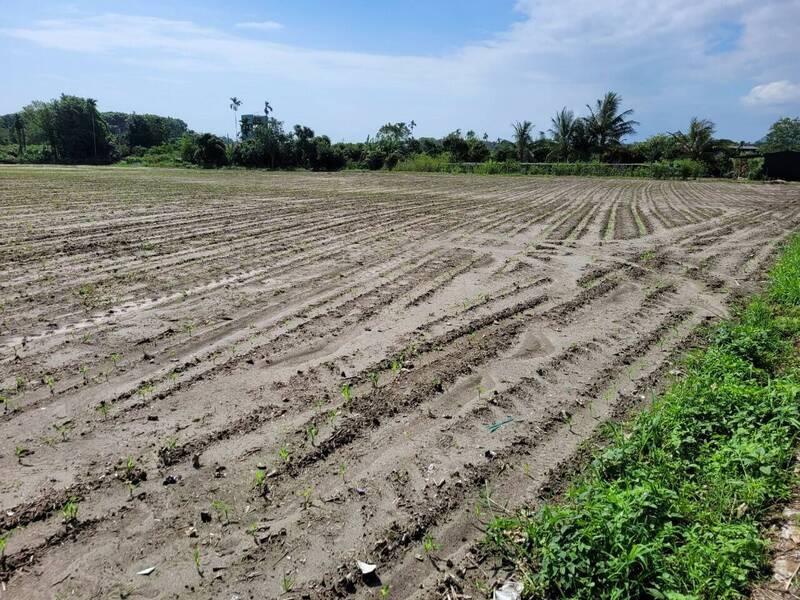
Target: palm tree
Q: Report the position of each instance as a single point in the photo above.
(563, 131)
(698, 143)
(606, 124)
(522, 138)
(235, 104)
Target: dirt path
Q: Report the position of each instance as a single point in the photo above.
(203, 324)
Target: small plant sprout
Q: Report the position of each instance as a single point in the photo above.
(260, 482)
(50, 383)
(429, 544)
(103, 408)
(318, 406)
(173, 376)
(20, 383)
(84, 371)
(70, 511)
(223, 510)
(347, 394)
(3, 543)
(312, 432)
(373, 378)
(342, 470)
(6, 402)
(384, 593)
(252, 531)
(332, 415)
(130, 467)
(306, 496)
(283, 452)
(115, 358)
(144, 390)
(63, 429)
(481, 390)
(21, 452)
(287, 584)
(396, 366)
(171, 443)
(196, 558)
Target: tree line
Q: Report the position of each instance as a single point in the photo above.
(70, 129)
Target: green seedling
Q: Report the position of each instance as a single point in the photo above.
(21, 452)
(84, 371)
(306, 496)
(196, 558)
(223, 510)
(252, 531)
(384, 593)
(50, 383)
(7, 403)
(63, 429)
(130, 467)
(115, 358)
(287, 584)
(103, 408)
(342, 470)
(396, 366)
(260, 482)
(312, 432)
(373, 378)
(347, 394)
(70, 511)
(171, 443)
(173, 376)
(145, 390)
(3, 543)
(332, 417)
(429, 544)
(481, 390)
(20, 383)
(283, 452)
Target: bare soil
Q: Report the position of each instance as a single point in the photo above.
(203, 325)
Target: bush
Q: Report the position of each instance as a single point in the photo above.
(210, 151)
(755, 168)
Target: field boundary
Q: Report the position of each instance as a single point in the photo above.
(673, 507)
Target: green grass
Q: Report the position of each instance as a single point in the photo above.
(672, 508)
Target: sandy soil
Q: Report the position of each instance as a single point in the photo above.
(166, 334)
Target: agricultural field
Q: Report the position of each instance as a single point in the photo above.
(251, 380)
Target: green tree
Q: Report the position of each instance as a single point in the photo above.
(698, 142)
(784, 134)
(563, 131)
(235, 104)
(210, 151)
(522, 139)
(607, 124)
(19, 132)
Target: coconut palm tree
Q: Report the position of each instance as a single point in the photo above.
(91, 104)
(235, 104)
(522, 138)
(697, 143)
(606, 124)
(563, 131)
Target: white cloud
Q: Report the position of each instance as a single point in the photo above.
(776, 92)
(260, 25)
(662, 57)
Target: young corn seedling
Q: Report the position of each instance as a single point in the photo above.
(306, 496)
(21, 452)
(342, 470)
(347, 394)
(103, 409)
(252, 531)
(373, 378)
(312, 432)
(480, 389)
(63, 429)
(287, 584)
(20, 383)
(8, 405)
(260, 483)
(196, 559)
(384, 593)
(70, 511)
(332, 417)
(283, 452)
(3, 543)
(223, 510)
(50, 383)
(396, 367)
(84, 371)
(430, 545)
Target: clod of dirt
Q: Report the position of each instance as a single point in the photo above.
(205, 516)
(196, 461)
(170, 480)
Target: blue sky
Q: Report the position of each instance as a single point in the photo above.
(344, 68)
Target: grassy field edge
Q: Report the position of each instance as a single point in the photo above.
(672, 508)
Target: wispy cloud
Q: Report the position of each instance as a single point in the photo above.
(669, 59)
(260, 25)
(776, 92)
